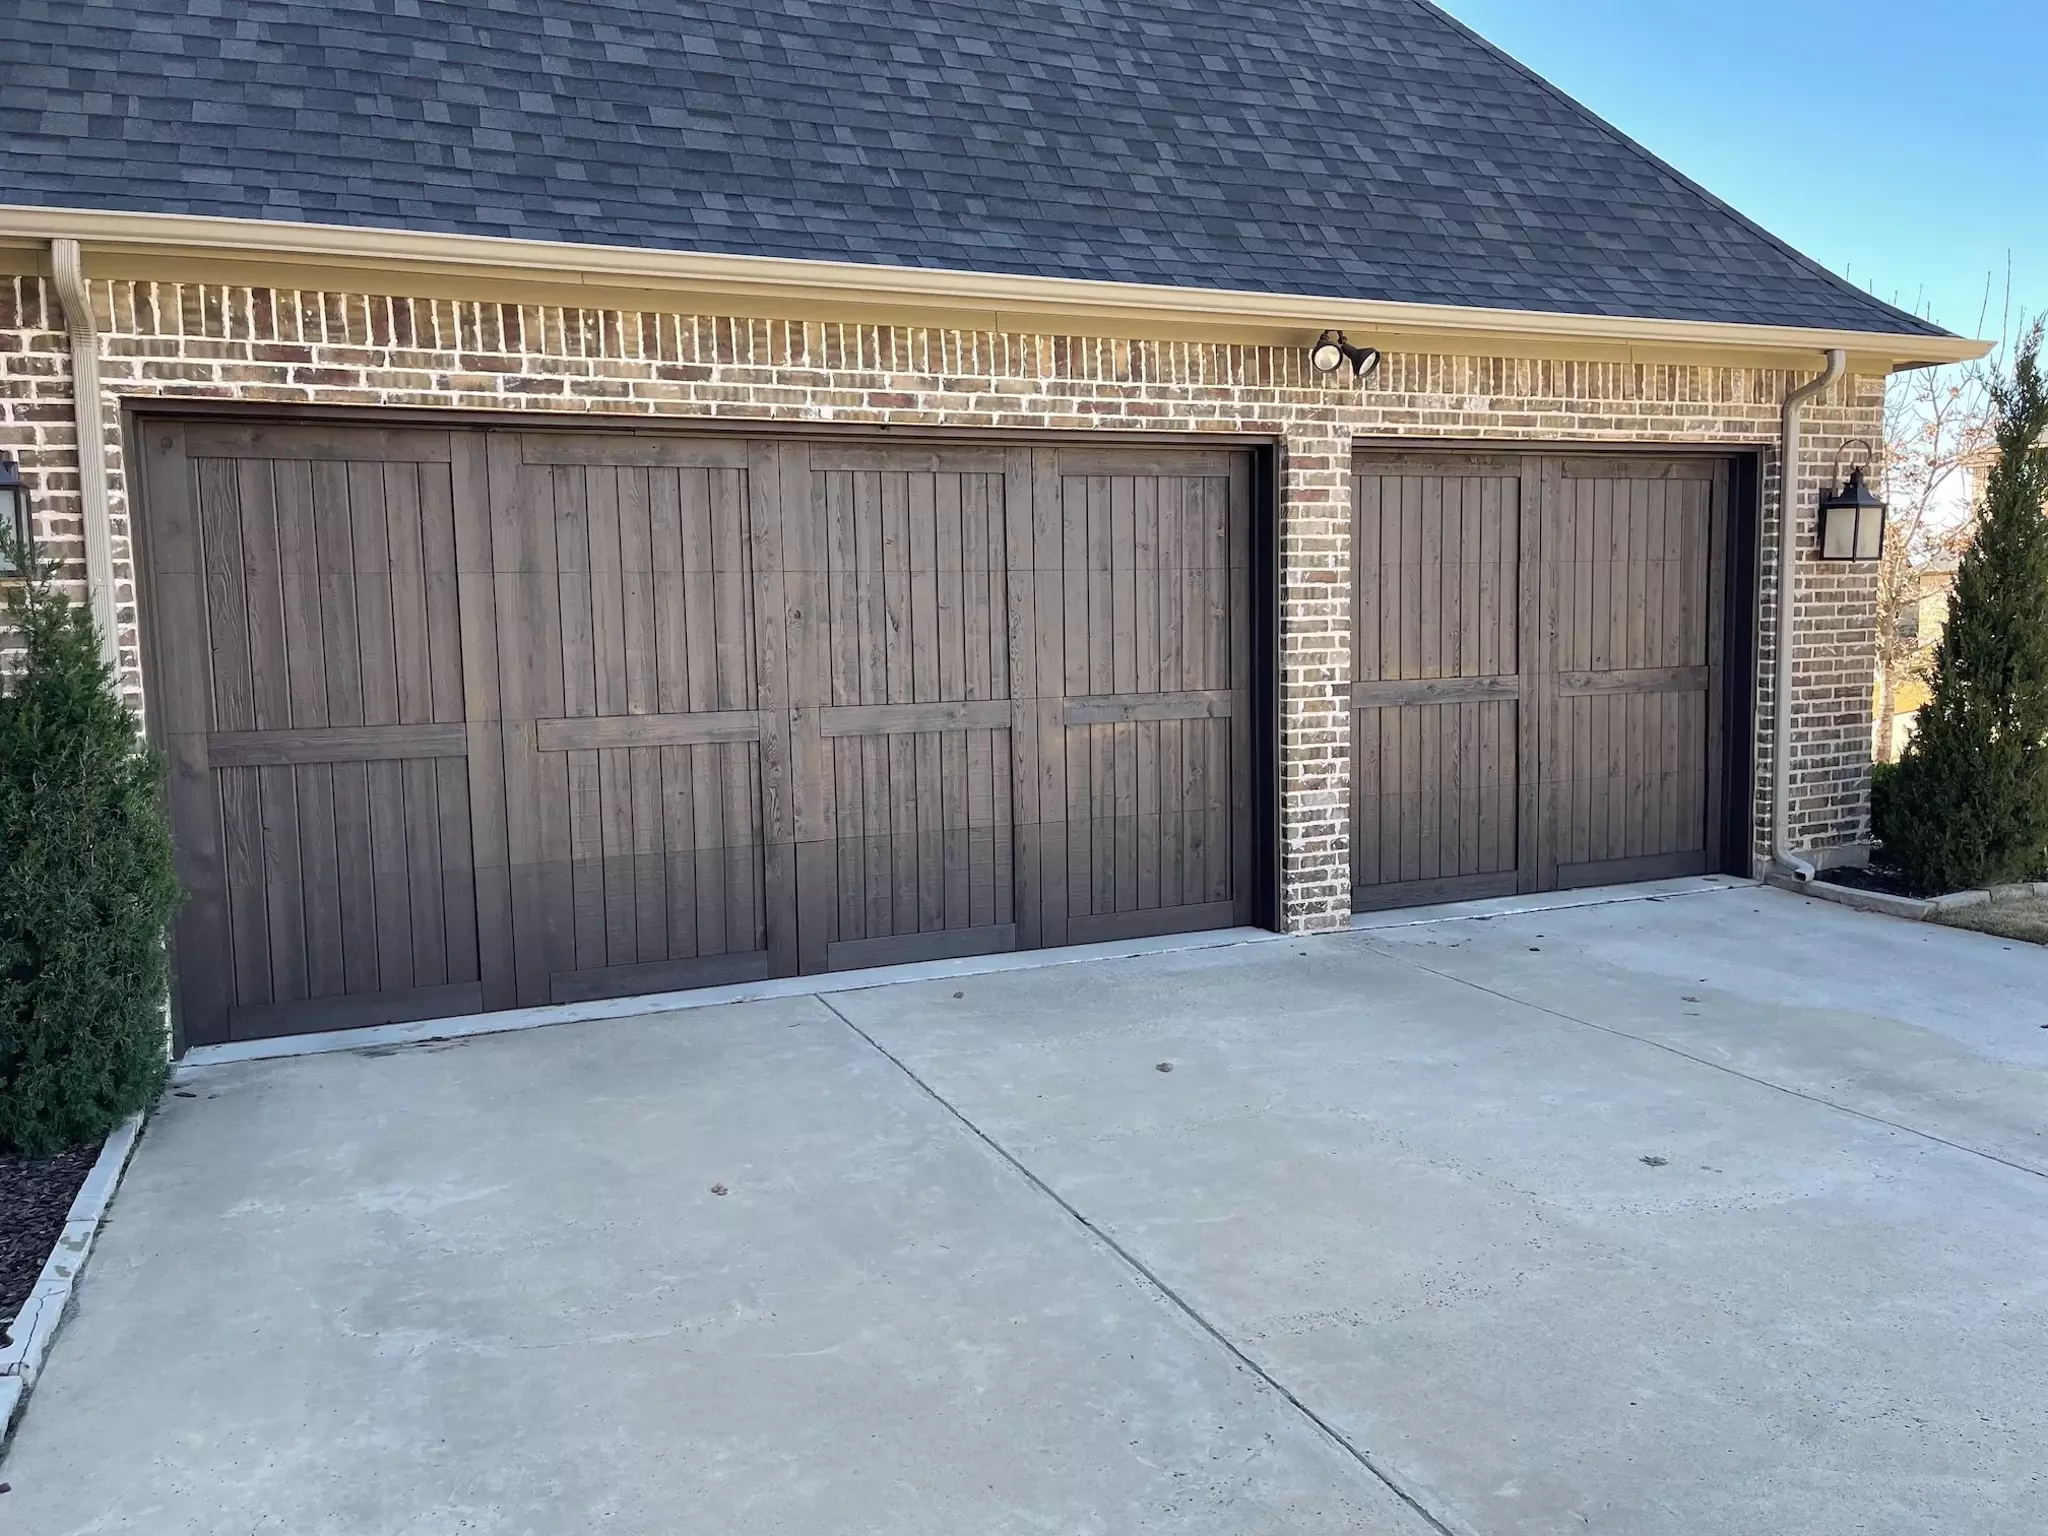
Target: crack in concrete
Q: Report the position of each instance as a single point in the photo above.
(1145, 1272)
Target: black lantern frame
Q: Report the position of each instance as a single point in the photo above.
(14, 518)
(1853, 518)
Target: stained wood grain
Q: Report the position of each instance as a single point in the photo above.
(498, 717)
(1535, 670)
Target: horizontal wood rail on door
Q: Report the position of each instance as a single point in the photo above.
(593, 733)
(342, 744)
(1213, 704)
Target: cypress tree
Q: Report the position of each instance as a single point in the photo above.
(1969, 804)
(86, 882)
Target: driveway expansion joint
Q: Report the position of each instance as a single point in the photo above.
(1146, 1274)
(1735, 1072)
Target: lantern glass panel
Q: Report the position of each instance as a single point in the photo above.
(1838, 533)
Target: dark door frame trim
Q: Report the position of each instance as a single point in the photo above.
(1267, 842)
(1742, 621)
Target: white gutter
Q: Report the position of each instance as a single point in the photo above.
(276, 241)
(67, 268)
(1788, 572)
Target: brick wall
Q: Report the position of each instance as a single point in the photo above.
(194, 341)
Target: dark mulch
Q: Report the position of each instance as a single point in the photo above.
(35, 1197)
(1878, 878)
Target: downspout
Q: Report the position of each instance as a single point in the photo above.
(68, 270)
(1787, 569)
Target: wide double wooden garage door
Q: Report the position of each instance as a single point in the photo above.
(1536, 660)
(470, 720)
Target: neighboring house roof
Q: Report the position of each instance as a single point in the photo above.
(1367, 149)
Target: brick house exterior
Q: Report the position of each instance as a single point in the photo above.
(1205, 333)
(184, 340)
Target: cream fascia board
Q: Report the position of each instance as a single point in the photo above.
(1043, 299)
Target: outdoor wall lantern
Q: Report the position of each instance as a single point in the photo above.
(1852, 519)
(1332, 351)
(13, 517)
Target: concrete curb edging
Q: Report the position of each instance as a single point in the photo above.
(50, 1298)
(1912, 908)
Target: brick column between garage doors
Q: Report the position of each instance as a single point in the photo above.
(1315, 681)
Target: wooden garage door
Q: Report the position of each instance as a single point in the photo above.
(473, 720)
(1536, 672)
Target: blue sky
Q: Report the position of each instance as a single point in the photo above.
(1905, 145)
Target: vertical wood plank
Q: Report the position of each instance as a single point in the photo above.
(949, 496)
(720, 625)
(1144, 678)
(476, 574)
(1022, 584)
(182, 705)
(930, 791)
(808, 679)
(528, 599)
(234, 709)
(765, 496)
(1173, 677)
(1536, 793)
(270, 693)
(1052, 561)
(460, 959)
(306, 666)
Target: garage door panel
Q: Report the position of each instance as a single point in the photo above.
(339, 881)
(639, 861)
(1437, 682)
(1629, 766)
(316, 842)
(1141, 661)
(908, 694)
(507, 717)
(1535, 672)
(1633, 772)
(1436, 792)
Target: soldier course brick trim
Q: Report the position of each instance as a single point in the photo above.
(193, 341)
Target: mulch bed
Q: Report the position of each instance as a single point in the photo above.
(35, 1197)
(1877, 877)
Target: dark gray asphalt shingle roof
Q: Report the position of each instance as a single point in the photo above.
(1356, 148)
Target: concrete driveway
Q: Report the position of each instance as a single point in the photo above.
(1722, 1213)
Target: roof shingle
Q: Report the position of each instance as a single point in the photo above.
(1367, 149)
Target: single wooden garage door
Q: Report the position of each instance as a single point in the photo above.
(469, 720)
(1536, 664)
